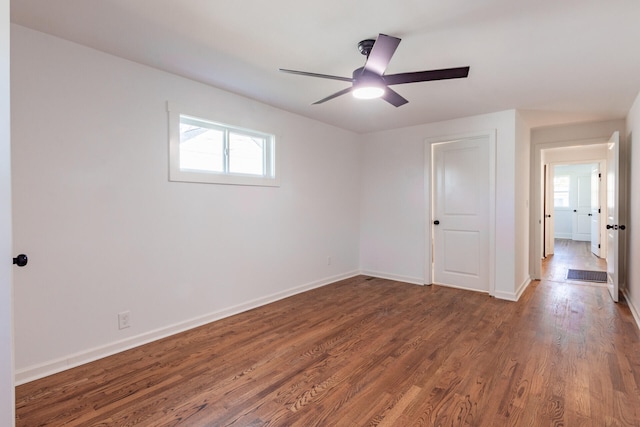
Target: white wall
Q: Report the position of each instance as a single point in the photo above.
(522, 195)
(632, 291)
(584, 154)
(7, 404)
(571, 135)
(106, 231)
(393, 204)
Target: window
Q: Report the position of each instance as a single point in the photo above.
(205, 151)
(561, 187)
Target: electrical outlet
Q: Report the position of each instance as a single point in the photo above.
(124, 319)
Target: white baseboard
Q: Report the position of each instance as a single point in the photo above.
(634, 310)
(394, 277)
(463, 288)
(514, 296)
(509, 296)
(523, 286)
(35, 372)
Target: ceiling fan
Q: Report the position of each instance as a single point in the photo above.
(370, 82)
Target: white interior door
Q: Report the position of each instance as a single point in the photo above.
(595, 210)
(548, 212)
(613, 205)
(582, 208)
(461, 211)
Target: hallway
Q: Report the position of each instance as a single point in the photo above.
(571, 254)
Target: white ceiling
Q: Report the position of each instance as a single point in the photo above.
(569, 60)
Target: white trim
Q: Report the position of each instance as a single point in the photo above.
(514, 296)
(462, 288)
(179, 175)
(7, 303)
(428, 143)
(567, 236)
(394, 277)
(428, 214)
(523, 286)
(35, 372)
(632, 308)
(507, 296)
(428, 217)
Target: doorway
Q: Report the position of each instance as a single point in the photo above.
(578, 205)
(575, 204)
(460, 229)
(556, 254)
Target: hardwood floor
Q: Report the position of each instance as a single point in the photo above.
(571, 254)
(365, 352)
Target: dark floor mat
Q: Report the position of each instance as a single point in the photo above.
(587, 276)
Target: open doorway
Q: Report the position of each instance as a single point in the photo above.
(574, 203)
(578, 143)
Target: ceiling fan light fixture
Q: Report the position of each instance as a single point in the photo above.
(367, 85)
(368, 92)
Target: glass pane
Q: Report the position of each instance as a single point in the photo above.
(246, 154)
(561, 200)
(561, 183)
(201, 149)
(561, 186)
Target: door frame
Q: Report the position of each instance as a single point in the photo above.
(549, 189)
(7, 370)
(602, 202)
(428, 197)
(537, 193)
(581, 209)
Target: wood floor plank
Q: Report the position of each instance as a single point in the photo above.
(371, 352)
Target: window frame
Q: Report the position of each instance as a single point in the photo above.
(269, 179)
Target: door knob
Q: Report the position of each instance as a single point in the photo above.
(575, 210)
(623, 227)
(21, 260)
(590, 214)
(609, 227)
(436, 222)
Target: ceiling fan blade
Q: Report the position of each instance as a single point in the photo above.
(393, 97)
(323, 76)
(335, 95)
(425, 76)
(381, 53)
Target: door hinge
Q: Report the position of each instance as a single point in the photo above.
(599, 175)
(599, 210)
(598, 245)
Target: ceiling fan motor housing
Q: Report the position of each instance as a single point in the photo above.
(362, 76)
(365, 46)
